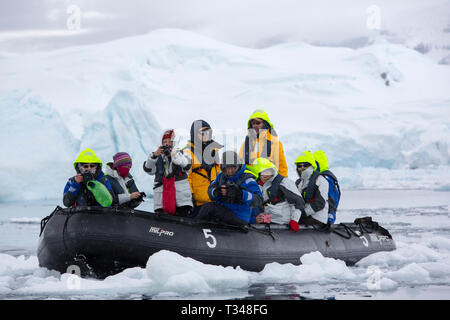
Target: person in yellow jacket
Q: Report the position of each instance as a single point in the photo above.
(205, 162)
(262, 141)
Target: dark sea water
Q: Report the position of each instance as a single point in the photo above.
(419, 269)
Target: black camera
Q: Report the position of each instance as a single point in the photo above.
(135, 202)
(88, 176)
(141, 197)
(234, 193)
(166, 150)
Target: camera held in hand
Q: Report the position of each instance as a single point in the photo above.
(141, 197)
(88, 176)
(167, 150)
(234, 193)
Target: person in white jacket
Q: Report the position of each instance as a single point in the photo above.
(315, 193)
(282, 200)
(171, 190)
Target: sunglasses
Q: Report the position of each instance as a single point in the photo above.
(89, 165)
(205, 132)
(303, 165)
(256, 122)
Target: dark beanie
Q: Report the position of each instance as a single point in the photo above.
(197, 125)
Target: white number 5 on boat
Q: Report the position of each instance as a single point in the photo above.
(207, 233)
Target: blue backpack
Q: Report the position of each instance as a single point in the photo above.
(334, 192)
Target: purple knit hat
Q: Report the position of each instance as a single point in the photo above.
(122, 159)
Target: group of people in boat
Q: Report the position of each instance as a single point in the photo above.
(251, 186)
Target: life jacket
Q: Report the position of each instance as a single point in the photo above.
(87, 196)
(197, 166)
(274, 193)
(334, 191)
(267, 150)
(242, 211)
(201, 174)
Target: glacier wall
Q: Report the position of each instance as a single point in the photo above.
(380, 112)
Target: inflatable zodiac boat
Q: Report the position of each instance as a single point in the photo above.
(104, 241)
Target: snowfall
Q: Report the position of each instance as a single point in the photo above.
(381, 113)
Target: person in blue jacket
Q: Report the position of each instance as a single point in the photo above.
(235, 193)
(89, 187)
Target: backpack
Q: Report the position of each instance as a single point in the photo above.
(334, 192)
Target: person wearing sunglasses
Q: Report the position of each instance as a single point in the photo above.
(88, 168)
(262, 141)
(126, 193)
(204, 152)
(316, 209)
(171, 190)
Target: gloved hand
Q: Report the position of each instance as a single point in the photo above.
(234, 193)
(294, 225)
(266, 218)
(216, 192)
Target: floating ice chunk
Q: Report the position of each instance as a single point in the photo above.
(173, 272)
(315, 267)
(411, 273)
(10, 265)
(401, 256)
(26, 220)
(439, 269)
(186, 282)
(5, 285)
(438, 242)
(384, 284)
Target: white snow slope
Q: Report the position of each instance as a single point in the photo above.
(117, 96)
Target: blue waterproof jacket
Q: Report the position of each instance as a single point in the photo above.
(76, 194)
(251, 194)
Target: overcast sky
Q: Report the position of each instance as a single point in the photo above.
(30, 25)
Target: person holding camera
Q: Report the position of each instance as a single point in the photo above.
(171, 190)
(204, 152)
(235, 193)
(126, 194)
(89, 187)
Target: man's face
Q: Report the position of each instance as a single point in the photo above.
(87, 167)
(204, 134)
(256, 124)
(230, 171)
(302, 166)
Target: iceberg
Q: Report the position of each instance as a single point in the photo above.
(116, 96)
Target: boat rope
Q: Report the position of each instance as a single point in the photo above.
(47, 218)
(64, 232)
(191, 221)
(365, 225)
(349, 231)
(266, 231)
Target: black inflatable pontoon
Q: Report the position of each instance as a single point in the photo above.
(105, 241)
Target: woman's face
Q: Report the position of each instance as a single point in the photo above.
(204, 134)
(167, 142)
(265, 177)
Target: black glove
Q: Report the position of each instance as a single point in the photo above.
(234, 194)
(216, 193)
